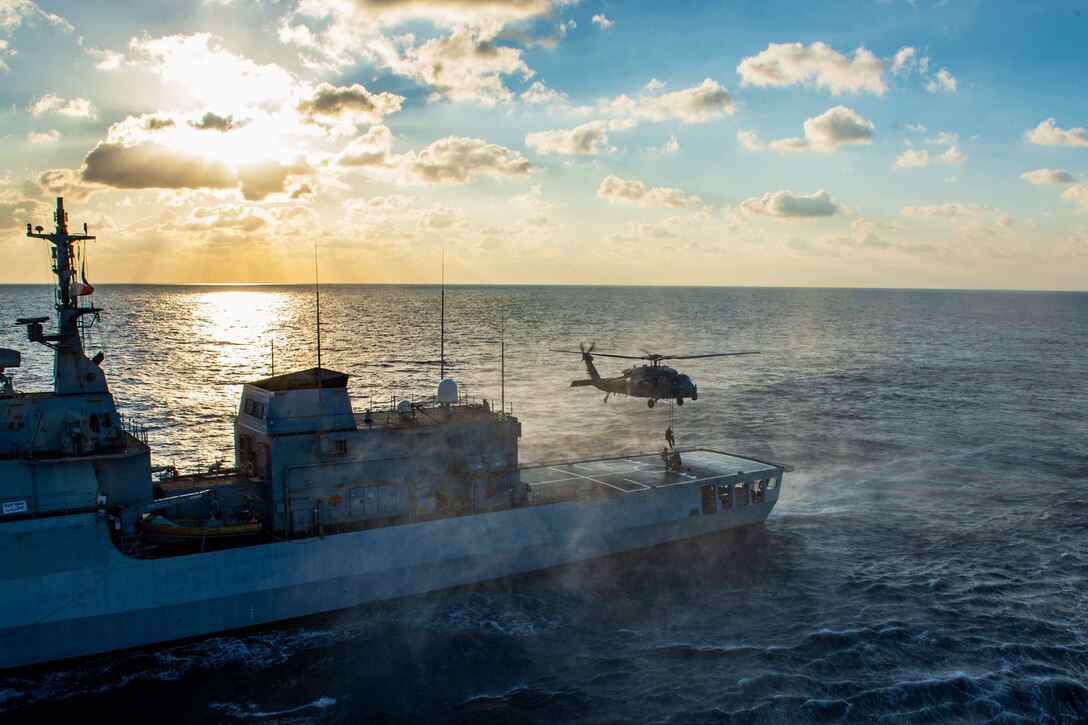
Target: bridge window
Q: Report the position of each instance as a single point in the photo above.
(740, 492)
(710, 505)
(254, 408)
(725, 493)
(773, 483)
(757, 491)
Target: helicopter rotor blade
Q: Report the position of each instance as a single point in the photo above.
(712, 354)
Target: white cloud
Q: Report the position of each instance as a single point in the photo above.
(615, 189)
(904, 58)
(1078, 194)
(916, 158)
(370, 149)
(699, 104)
(749, 140)
(213, 75)
(952, 156)
(834, 127)
(669, 147)
(602, 22)
(107, 59)
(785, 64)
(12, 15)
(1048, 134)
(539, 93)
(957, 211)
(464, 66)
(72, 107)
(589, 138)
(1048, 176)
(786, 204)
(943, 82)
(51, 136)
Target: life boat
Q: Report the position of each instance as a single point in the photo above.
(161, 530)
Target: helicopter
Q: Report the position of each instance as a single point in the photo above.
(654, 381)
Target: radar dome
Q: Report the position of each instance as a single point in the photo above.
(404, 407)
(447, 391)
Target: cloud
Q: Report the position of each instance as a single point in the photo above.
(370, 149)
(50, 136)
(334, 34)
(215, 76)
(1077, 194)
(669, 147)
(1048, 176)
(264, 178)
(786, 64)
(786, 204)
(943, 82)
(602, 22)
(748, 139)
(1048, 134)
(912, 158)
(439, 217)
(351, 105)
(956, 211)
(456, 160)
(834, 127)
(539, 93)
(904, 58)
(699, 104)
(212, 122)
(12, 15)
(463, 67)
(64, 182)
(155, 123)
(226, 216)
(72, 107)
(589, 138)
(16, 210)
(150, 165)
(617, 190)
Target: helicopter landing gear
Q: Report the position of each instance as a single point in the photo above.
(694, 396)
(650, 403)
(606, 397)
(679, 401)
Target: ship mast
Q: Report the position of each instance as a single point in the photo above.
(72, 371)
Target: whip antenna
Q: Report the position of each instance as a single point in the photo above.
(442, 324)
(502, 353)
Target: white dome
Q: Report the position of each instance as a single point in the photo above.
(447, 391)
(404, 407)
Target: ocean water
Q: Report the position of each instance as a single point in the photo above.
(928, 560)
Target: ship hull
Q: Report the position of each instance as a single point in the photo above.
(120, 602)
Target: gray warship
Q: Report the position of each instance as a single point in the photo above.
(325, 508)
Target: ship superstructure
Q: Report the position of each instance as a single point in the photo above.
(100, 556)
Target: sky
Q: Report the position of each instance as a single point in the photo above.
(851, 144)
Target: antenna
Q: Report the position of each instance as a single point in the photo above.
(442, 324)
(317, 296)
(502, 352)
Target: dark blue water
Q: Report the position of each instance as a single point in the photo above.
(928, 561)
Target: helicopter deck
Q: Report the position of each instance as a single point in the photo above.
(636, 474)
